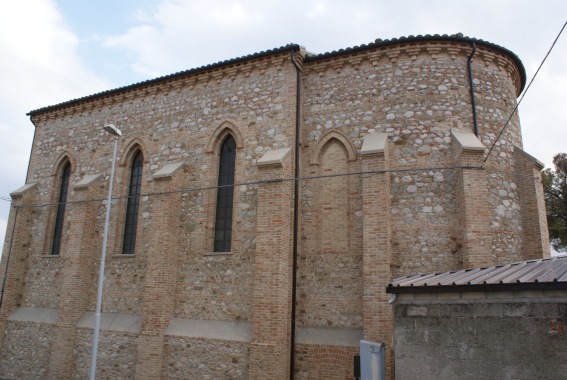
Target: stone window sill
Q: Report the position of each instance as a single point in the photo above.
(122, 255)
(218, 254)
(50, 256)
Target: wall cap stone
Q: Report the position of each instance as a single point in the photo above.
(515, 296)
(34, 314)
(24, 189)
(112, 321)
(374, 143)
(209, 329)
(217, 254)
(540, 165)
(168, 170)
(467, 140)
(329, 336)
(274, 157)
(87, 181)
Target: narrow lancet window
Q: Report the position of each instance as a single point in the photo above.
(225, 191)
(131, 222)
(58, 230)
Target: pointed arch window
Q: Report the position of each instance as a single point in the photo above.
(60, 216)
(131, 222)
(225, 191)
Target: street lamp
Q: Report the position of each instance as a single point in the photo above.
(110, 128)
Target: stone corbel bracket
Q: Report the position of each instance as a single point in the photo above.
(168, 171)
(467, 141)
(274, 157)
(86, 181)
(374, 144)
(24, 189)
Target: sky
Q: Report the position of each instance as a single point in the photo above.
(52, 51)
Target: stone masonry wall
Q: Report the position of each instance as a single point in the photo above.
(26, 350)
(417, 99)
(117, 355)
(185, 123)
(177, 126)
(204, 359)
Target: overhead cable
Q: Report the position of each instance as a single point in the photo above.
(524, 94)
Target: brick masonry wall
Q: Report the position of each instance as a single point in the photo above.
(330, 265)
(485, 336)
(325, 362)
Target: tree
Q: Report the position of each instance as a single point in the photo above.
(555, 193)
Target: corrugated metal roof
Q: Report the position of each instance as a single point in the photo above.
(550, 273)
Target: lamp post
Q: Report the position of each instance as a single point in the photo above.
(110, 128)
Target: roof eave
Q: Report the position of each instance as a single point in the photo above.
(163, 79)
(478, 288)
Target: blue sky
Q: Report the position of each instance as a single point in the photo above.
(57, 50)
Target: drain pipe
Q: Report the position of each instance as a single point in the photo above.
(471, 85)
(295, 215)
(392, 300)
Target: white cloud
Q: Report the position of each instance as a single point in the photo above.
(185, 34)
(180, 35)
(39, 67)
(41, 64)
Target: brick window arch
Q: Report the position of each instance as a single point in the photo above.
(225, 191)
(134, 191)
(61, 203)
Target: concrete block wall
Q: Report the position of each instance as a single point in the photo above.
(503, 335)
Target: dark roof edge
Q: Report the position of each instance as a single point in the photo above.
(166, 78)
(428, 37)
(478, 288)
(309, 58)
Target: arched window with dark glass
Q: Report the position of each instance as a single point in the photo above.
(225, 191)
(60, 216)
(131, 222)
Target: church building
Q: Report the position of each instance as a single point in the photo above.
(261, 205)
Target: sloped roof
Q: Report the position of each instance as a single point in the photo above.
(309, 58)
(543, 274)
(166, 78)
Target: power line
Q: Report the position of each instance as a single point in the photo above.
(524, 94)
(289, 179)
